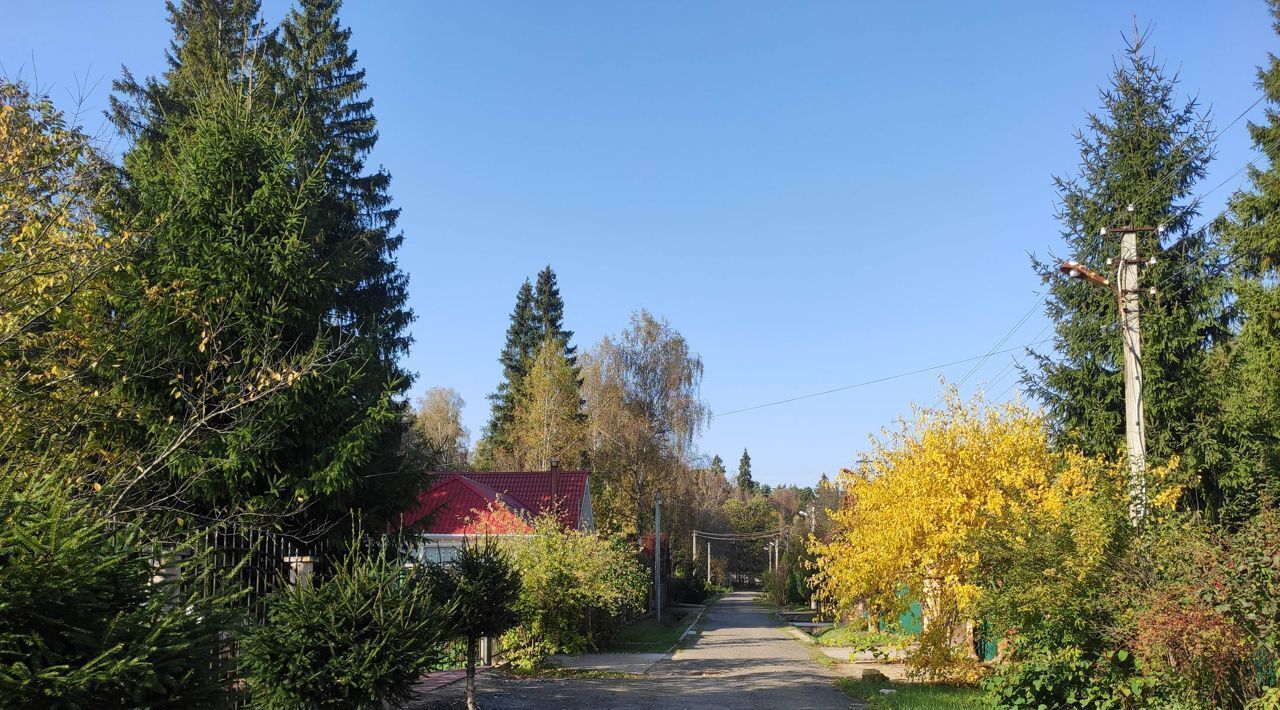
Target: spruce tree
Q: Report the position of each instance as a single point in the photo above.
(745, 483)
(213, 41)
(538, 316)
(717, 467)
(548, 313)
(252, 276)
(1251, 232)
(494, 449)
(1140, 160)
(324, 88)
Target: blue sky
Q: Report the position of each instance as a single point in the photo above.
(814, 193)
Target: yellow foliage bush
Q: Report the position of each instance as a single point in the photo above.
(913, 509)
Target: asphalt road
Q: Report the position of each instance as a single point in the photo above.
(742, 660)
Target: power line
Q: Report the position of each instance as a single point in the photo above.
(1009, 368)
(1172, 171)
(875, 381)
(1005, 391)
(978, 365)
(731, 537)
(1214, 139)
(1002, 341)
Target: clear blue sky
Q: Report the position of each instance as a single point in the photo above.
(791, 184)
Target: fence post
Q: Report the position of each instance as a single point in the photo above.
(301, 567)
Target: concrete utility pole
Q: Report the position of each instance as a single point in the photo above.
(809, 515)
(1127, 291)
(708, 562)
(657, 558)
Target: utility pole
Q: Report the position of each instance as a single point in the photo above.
(1127, 292)
(657, 558)
(708, 562)
(695, 545)
(1135, 430)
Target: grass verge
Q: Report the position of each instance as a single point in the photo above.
(648, 636)
(911, 696)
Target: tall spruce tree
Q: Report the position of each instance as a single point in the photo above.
(325, 88)
(1251, 405)
(538, 316)
(746, 484)
(213, 41)
(255, 270)
(717, 467)
(1139, 161)
(494, 449)
(548, 312)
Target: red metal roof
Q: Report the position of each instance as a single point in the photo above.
(458, 498)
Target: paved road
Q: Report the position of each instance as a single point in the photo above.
(741, 660)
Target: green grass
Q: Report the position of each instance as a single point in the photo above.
(912, 696)
(648, 636)
(859, 638)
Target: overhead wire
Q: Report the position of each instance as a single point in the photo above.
(730, 537)
(1181, 164)
(981, 359)
(995, 347)
(1009, 368)
(874, 381)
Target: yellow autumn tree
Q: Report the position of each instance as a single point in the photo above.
(548, 420)
(914, 506)
(53, 258)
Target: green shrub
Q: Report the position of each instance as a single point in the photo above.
(1247, 590)
(1067, 677)
(686, 590)
(83, 623)
(574, 587)
(361, 637)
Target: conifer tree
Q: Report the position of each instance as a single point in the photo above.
(253, 273)
(1252, 234)
(1146, 149)
(495, 449)
(322, 81)
(213, 41)
(548, 312)
(745, 483)
(717, 467)
(538, 315)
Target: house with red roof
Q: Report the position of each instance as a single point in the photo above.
(462, 505)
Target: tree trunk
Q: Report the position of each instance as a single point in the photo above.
(471, 673)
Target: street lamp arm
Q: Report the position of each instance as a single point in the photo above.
(1076, 270)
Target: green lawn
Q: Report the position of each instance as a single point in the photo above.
(648, 636)
(858, 638)
(912, 696)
